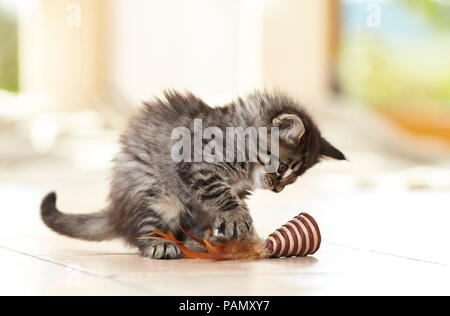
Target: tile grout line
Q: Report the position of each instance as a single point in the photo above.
(87, 272)
(389, 254)
(409, 258)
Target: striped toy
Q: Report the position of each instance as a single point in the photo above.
(299, 237)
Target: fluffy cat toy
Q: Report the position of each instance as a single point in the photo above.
(299, 237)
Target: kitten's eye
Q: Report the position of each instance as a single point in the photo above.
(282, 168)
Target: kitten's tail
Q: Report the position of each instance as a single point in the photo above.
(91, 227)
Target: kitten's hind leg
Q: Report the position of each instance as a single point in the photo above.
(158, 249)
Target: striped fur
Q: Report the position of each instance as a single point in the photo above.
(150, 191)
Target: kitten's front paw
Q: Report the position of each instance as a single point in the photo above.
(233, 225)
(162, 249)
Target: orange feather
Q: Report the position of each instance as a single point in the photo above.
(219, 251)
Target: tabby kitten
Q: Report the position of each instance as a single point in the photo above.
(151, 191)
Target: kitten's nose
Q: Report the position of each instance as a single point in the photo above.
(278, 189)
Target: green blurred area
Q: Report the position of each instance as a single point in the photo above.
(387, 72)
(9, 67)
(378, 73)
(436, 12)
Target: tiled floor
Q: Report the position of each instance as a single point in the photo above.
(378, 239)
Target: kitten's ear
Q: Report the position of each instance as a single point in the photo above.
(291, 128)
(328, 150)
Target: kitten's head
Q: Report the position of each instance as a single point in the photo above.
(301, 146)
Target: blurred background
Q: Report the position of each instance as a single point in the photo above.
(374, 74)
